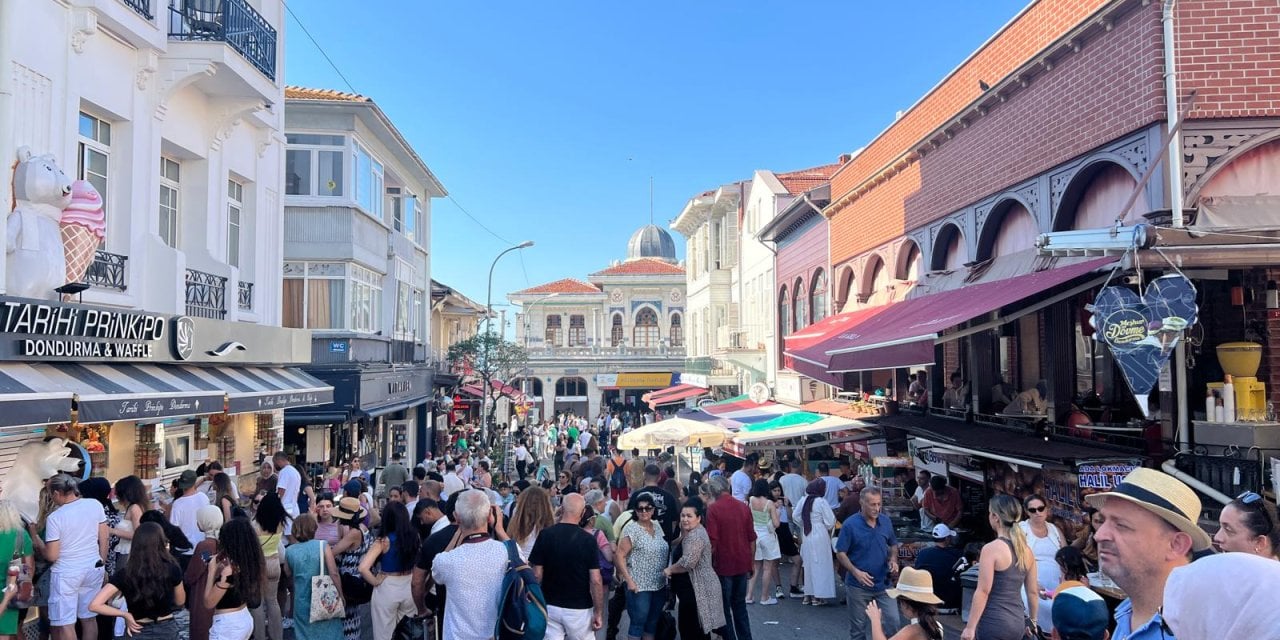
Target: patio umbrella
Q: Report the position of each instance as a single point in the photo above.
(674, 432)
(785, 420)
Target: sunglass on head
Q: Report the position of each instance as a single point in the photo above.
(1035, 509)
(1248, 497)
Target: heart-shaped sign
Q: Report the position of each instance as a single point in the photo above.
(1143, 331)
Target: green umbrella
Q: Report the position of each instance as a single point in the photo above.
(786, 420)
(729, 400)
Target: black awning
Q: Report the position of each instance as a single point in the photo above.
(112, 392)
(390, 408)
(254, 389)
(302, 419)
(26, 402)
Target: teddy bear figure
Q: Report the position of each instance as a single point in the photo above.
(36, 261)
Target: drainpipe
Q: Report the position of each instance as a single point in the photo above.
(1174, 160)
(1172, 469)
(8, 18)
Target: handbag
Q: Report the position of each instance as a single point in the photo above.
(326, 604)
(410, 628)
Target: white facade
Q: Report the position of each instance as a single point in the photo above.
(754, 283)
(120, 98)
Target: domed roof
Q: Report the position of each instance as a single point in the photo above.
(651, 241)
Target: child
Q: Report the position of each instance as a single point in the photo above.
(1079, 614)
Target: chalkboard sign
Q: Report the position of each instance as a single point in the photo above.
(973, 497)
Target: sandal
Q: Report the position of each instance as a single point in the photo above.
(818, 602)
(750, 601)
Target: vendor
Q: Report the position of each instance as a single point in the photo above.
(1031, 401)
(957, 394)
(918, 390)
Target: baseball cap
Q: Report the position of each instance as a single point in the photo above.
(187, 479)
(1079, 613)
(943, 531)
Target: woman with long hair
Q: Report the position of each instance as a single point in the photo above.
(817, 520)
(151, 583)
(269, 525)
(764, 515)
(1044, 539)
(1248, 524)
(209, 521)
(15, 544)
(304, 560)
(1085, 542)
(131, 493)
(224, 496)
(306, 492)
(916, 602)
(532, 514)
(236, 581)
(349, 551)
(394, 552)
(1006, 571)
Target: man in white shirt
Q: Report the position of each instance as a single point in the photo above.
(522, 460)
(76, 544)
(917, 499)
(833, 484)
(740, 481)
(183, 512)
(453, 482)
(288, 486)
(584, 440)
(471, 569)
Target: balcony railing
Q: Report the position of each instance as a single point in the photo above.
(107, 271)
(206, 295)
(245, 295)
(141, 7)
(231, 21)
(543, 351)
(407, 351)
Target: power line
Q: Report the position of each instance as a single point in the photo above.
(318, 47)
(476, 220)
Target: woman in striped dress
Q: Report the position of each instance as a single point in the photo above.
(355, 541)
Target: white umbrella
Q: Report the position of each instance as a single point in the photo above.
(674, 432)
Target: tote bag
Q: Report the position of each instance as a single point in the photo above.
(326, 604)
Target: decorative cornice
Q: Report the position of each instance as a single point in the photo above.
(84, 24)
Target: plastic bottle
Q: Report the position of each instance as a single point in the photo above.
(1229, 400)
(1210, 406)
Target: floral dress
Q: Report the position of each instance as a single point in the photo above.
(349, 565)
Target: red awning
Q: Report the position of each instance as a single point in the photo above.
(904, 334)
(677, 393)
(476, 389)
(803, 352)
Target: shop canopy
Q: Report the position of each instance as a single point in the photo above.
(677, 393)
(799, 353)
(674, 432)
(904, 334)
(45, 393)
(947, 435)
(824, 426)
(476, 389)
(786, 420)
(747, 411)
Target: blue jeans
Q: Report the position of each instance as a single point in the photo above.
(859, 624)
(733, 590)
(643, 610)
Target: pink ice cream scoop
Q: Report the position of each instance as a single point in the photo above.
(85, 209)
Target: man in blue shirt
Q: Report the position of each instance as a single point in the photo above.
(868, 551)
(1150, 530)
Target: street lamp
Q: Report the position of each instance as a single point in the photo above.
(488, 319)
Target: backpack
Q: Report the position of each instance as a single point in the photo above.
(618, 477)
(522, 609)
(606, 567)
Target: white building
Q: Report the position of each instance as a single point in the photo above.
(600, 345)
(173, 112)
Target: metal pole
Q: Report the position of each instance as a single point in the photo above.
(1174, 160)
(487, 411)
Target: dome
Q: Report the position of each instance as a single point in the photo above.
(651, 241)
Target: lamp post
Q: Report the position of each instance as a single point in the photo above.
(488, 319)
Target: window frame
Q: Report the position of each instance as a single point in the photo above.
(235, 223)
(818, 296)
(375, 208)
(313, 150)
(577, 330)
(93, 143)
(174, 213)
(646, 335)
(302, 270)
(365, 288)
(552, 334)
(676, 330)
(616, 332)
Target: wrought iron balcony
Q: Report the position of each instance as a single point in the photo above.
(231, 21)
(107, 271)
(141, 7)
(246, 295)
(206, 295)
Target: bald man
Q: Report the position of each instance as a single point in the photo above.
(567, 562)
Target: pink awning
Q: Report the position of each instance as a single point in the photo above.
(803, 351)
(903, 335)
(677, 393)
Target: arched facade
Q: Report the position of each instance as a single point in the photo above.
(845, 289)
(571, 386)
(615, 330)
(1253, 172)
(677, 330)
(949, 250)
(907, 266)
(1095, 195)
(875, 282)
(818, 296)
(784, 313)
(646, 332)
(1008, 229)
(800, 306)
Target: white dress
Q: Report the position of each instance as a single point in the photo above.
(1048, 575)
(815, 548)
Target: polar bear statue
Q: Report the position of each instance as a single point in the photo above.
(37, 461)
(36, 261)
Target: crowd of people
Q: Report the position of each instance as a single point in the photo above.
(429, 548)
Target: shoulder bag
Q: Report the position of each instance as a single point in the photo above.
(326, 604)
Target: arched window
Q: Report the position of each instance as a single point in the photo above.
(577, 331)
(553, 330)
(615, 330)
(571, 387)
(818, 296)
(784, 313)
(677, 330)
(533, 388)
(801, 307)
(645, 333)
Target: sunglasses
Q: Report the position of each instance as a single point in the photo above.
(1036, 509)
(644, 509)
(1250, 498)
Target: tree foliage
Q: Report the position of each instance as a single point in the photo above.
(492, 359)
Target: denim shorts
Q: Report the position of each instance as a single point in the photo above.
(644, 608)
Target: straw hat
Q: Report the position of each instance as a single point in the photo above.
(915, 585)
(1163, 495)
(349, 507)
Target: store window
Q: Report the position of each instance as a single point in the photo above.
(313, 295)
(677, 330)
(93, 162)
(170, 194)
(313, 164)
(235, 210)
(554, 330)
(818, 296)
(577, 331)
(615, 330)
(645, 333)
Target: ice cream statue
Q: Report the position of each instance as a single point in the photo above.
(84, 225)
(36, 462)
(36, 264)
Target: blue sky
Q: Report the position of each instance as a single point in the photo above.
(546, 120)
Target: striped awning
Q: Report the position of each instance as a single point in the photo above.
(112, 392)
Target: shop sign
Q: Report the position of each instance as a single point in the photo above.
(1142, 331)
(337, 346)
(283, 400)
(560, 399)
(695, 379)
(1096, 477)
(606, 379)
(52, 331)
(891, 461)
(644, 380)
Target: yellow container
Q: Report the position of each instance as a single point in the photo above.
(1240, 359)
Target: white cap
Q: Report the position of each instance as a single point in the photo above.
(942, 531)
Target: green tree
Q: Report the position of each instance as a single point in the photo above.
(492, 359)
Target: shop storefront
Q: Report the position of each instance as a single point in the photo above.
(624, 393)
(144, 393)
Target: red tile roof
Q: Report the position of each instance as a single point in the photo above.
(642, 266)
(798, 182)
(304, 93)
(567, 286)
